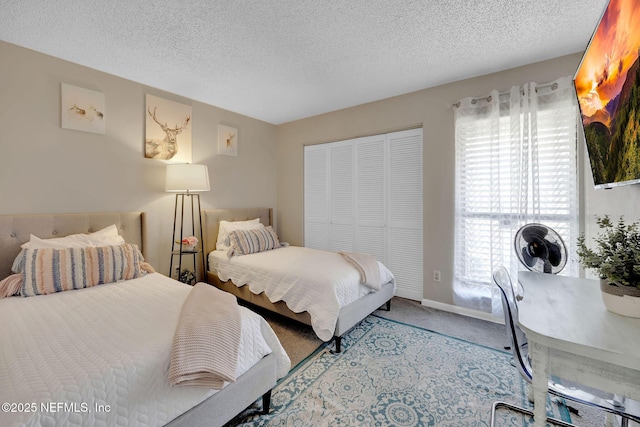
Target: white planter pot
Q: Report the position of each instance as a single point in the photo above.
(623, 300)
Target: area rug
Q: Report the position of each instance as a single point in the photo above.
(393, 374)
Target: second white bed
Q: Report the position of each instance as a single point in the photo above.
(318, 282)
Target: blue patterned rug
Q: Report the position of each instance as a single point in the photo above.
(394, 374)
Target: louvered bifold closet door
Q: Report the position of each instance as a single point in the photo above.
(365, 195)
(404, 228)
(371, 206)
(341, 197)
(316, 197)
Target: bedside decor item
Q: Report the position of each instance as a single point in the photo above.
(227, 140)
(187, 180)
(168, 130)
(81, 109)
(187, 276)
(188, 243)
(616, 260)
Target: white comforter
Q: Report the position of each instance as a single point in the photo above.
(312, 280)
(100, 355)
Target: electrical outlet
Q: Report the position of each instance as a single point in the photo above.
(436, 275)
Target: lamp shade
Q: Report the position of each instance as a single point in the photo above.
(187, 178)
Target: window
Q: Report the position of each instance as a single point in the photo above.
(516, 163)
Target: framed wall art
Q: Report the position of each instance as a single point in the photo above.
(81, 109)
(167, 130)
(227, 140)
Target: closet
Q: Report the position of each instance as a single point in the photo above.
(365, 195)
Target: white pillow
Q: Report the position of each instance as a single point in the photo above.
(107, 236)
(226, 227)
(111, 230)
(71, 241)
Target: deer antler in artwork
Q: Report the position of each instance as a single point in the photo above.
(165, 127)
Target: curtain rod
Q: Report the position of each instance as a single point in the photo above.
(487, 98)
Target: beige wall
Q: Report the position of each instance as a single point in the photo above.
(432, 109)
(45, 169)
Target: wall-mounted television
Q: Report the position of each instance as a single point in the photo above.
(607, 84)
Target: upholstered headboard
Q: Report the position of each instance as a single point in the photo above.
(212, 218)
(16, 230)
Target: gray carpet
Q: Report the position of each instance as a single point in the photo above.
(299, 340)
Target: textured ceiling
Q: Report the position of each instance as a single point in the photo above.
(282, 60)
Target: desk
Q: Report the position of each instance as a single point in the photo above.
(573, 336)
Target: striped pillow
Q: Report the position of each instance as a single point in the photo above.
(54, 270)
(244, 242)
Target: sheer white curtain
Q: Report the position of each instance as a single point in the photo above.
(516, 163)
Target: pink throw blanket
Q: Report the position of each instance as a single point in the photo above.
(206, 341)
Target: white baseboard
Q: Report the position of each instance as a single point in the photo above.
(462, 311)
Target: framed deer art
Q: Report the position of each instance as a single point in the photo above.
(227, 140)
(168, 130)
(81, 109)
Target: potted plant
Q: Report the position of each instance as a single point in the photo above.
(616, 260)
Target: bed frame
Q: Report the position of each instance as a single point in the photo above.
(214, 411)
(349, 315)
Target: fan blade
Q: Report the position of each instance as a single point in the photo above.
(528, 259)
(533, 232)
(555, 253)
(538, 248)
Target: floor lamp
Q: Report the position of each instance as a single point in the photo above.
(186, 180)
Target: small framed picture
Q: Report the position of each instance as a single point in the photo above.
(227, 140)
(81, 109)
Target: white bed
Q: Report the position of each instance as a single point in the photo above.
(318, 288)
(100, 355)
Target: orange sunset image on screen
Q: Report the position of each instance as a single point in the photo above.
(607, 85)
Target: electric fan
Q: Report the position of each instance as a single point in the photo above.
(540, 248)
